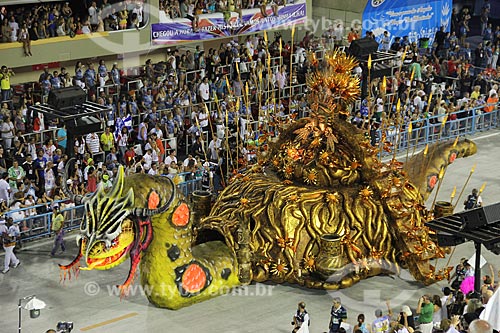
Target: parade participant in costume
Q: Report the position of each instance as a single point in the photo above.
(301, 319)
(9, 232)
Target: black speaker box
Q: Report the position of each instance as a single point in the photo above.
(66, 97)
(446, 239)
(478, 217)
(83, 125)
(363, 47)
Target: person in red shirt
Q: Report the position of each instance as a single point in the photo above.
(129, 156)
(92, 180)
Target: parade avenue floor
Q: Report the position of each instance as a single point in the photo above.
(92, 303)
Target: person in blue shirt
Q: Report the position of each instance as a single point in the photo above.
(62, 138)
(338, 315)
(90, 76)
(102, 70)
(55, 81)
(40, 163)
(147, 100)
(79, 75)
(385, 42)
(133, 108)
(116, 76)
(46, 85)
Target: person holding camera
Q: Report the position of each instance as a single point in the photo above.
(425, 309)
(300, 320)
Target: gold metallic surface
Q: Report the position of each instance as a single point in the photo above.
(322, 177)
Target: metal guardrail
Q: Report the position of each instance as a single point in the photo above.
(431, 130)
(37, 220)
(38, 225)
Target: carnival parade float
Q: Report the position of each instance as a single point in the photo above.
(320, 209)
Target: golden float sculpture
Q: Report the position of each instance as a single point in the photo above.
(319, 209)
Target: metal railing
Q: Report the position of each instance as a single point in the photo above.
(37, 220)
(433, 129)
(189, 182)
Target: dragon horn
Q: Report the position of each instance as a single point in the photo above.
(159, 210)
(116, 190)
(77, 199)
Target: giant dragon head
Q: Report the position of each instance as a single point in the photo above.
(113, 227)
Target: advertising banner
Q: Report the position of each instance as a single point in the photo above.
(214, 25)
(413, 18)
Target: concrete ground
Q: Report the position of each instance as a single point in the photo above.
(91, 301)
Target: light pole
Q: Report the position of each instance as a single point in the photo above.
(33, 304)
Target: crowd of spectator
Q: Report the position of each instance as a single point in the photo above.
(174, 101)
(192, 8)
(459, 76)
(26, 23)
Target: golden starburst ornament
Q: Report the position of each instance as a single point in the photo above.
(309, 263)
(311, 177)
(278, 268)
(366, 193)
(333, 198)
(288, 171)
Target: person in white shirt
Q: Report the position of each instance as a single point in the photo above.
(171, 158)
(138, 11)
(93, 143)
(203, 120)
(14, 28)
(214, 146)
(301, 319)
(204, 90)
(185, 163)
(154, 169)
(338, 32)
(300, 55)
(147, 159)
(9, 232)
(5, 189)
(493, 90)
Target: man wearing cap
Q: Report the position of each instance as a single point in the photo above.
(8, 234)
(105, 184)
(58, 228)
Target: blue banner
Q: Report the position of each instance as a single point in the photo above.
(413, 18)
